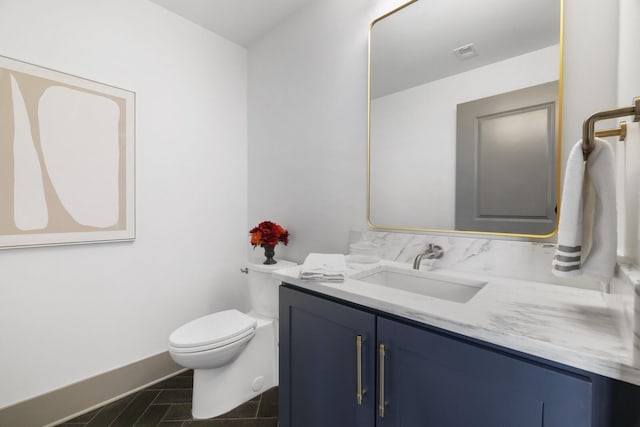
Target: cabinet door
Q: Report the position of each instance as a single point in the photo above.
(319, 363)
(434, 380)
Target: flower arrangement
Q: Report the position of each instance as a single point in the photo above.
(268, 234)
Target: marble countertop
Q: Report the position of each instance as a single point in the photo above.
(575, 327)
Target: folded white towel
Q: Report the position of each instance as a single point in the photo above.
(587, 238)
(324, 267)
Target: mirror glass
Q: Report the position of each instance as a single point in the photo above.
(464, 113)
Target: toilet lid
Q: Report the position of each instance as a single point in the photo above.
(220, 327)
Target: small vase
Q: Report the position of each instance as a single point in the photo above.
(269, 252)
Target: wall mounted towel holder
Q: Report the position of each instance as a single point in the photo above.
(620, 131)
(588, 128)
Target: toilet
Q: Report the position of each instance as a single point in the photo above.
(234, 355)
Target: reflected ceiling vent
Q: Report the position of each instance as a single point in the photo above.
(465, 52)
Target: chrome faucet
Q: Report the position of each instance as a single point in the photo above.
(431, 252)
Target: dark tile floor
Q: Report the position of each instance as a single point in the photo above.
(168, 404)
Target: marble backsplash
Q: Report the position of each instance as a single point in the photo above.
(504, 258)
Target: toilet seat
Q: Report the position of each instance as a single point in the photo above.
(212, 331)
(213, 346)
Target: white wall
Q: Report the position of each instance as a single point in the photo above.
(629, 88)
(308, 124)
(413, 134)
(308, 112)
(67, 313)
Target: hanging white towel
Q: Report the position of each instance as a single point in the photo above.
(587, 238)
(324, 267)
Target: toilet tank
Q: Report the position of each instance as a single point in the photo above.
(263, 289)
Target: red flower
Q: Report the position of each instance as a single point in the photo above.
(268, 233)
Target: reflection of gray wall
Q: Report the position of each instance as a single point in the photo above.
(413, 139)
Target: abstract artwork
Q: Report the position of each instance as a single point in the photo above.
(67, 158)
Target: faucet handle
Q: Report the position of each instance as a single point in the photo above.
(437, 251)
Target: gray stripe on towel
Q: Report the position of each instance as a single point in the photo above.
(567, 267)
(567, 258)
(564, 248)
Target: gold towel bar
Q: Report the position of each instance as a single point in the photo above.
(588, 131)
(621, 132)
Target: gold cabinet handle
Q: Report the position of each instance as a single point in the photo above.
(359, 391)
(382, 403)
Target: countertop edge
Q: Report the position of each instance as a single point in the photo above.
(616, 369)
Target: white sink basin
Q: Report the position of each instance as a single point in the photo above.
(423, 283)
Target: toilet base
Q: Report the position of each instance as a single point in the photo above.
(216, 391)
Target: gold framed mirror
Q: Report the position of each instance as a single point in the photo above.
(465, 102)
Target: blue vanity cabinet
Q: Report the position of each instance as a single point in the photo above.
(319, 363)
(426, 377)
(437, 380)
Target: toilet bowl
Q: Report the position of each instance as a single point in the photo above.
(211, 341)
(234, 355)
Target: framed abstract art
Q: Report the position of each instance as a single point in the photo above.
(67, 158)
